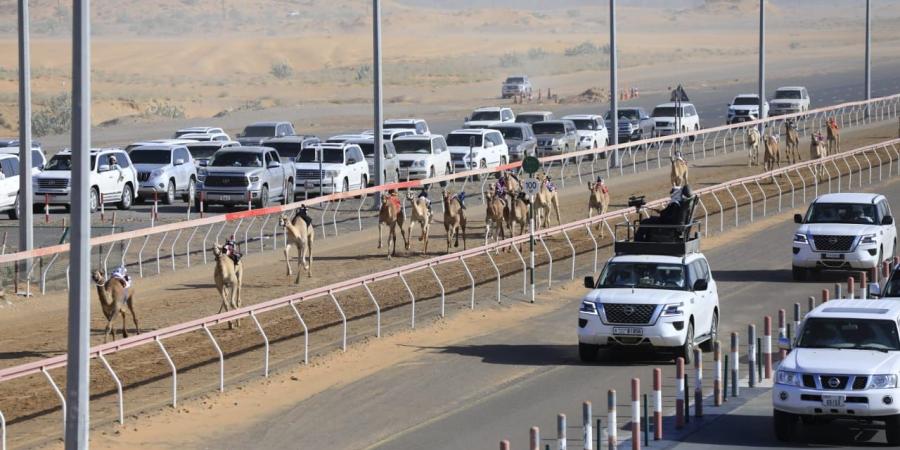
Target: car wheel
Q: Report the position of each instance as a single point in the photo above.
(191, 191)
(94, 200)
(127, 198)
(686, 351)
(263, 197)
(588, 352)
(707, 346)
(14, 212)
(696, 128)
(170, 193)
(798, 273)
(504, 160)
(892, 430)
(784, 425)
(37, 209)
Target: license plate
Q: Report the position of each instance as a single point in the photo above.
(224, 198)
(832, 256)
(628, 331)
(835, 401)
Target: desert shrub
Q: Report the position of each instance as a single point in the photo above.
(587, 48)
(165, 109)
(281, 70)
(510, 60)
(53, 117)
(363, 72)
(536, 53)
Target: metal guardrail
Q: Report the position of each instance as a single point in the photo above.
(888, 148)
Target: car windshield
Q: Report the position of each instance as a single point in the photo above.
(203, 151)
(259, 131)
(237, 159)
(746, 101)
(790, 95)
(892, 289)
(64, 162)
(402, 125)
(853, 213)
(151, 156)
(286, 150)
(529, 118)
(585, 124)
(549, 128)
(513, 80)
(368, 148)
(666, 111)
(862, 334)
(485, 115)
(413, 146)
(330, 155)
(628, 114)
(463, 140)
(181, 133)
(509, 132)
(643, 275)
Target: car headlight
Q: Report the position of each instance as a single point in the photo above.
(254, 179)
(869, 239)
(673, 309)
(419, 163)
(800, 238)
(588, 307)
(788, 378)
(883, 381)
(156, 173)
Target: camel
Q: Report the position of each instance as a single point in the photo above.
(516, 212)
(454, 219)
(598, 201)
(772, 157)
(494, 216)
(753, 151)
(392, 216)
(834, 137)
(114, 298)
(679, 174)
(545, 201)
(512, 182)
(300, 235)
(228, 276)
(420, 213)
(818, 150)
(792, 142)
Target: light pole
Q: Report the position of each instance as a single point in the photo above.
(868, 56)
(26, 217)
(762, 66)
(378, 113)
(613, 85)
(79, 342)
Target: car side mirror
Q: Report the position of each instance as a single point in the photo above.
(274, 164)
(887, 220)
(589, 282)
(103, 168)
(351, 161)
(874, 290)
(179, 162)
(701, 285)
(798, 218)
(203, 163)
(784, 344)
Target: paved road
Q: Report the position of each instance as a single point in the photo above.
(496, 386)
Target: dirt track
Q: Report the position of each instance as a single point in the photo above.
(35, 329)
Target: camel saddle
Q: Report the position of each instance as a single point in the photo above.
(395, 201)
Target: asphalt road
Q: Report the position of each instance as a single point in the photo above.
(482, 390)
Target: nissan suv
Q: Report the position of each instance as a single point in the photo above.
(743, 108)
(847, 231)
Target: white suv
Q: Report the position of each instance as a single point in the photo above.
(592, 132)
(844, 231)
(422, 157)
(471, 149)
(164, 171)
(845, 365)
(343, 168)
(744, 107)
(487, 116)
(9, 185)
(114, 185)
(789, 100)
(418, 126)
(668, 117)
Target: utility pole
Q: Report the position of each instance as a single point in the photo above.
(762, 66)
(26, 217)
(378, 113)
(868, 56)
(79, 342)
(613, 85)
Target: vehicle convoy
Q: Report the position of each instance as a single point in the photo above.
(516, 85)
(257, 132)
(670, 118)
(744, 107)
(843, 364)
(591, 131)
(390, 164)
(418, 126)
(789, 100)
(389, 134)
(634, 124)
(422, 157)
(519, 138)
(238, 175)
(202, 152)
(477, 149)
(657, 291)
(843, 232)
(340, 167)
(531, 117)
(9, 185)
(109, 183)
(555, 137)
(489, 115)
(177, 141)
(164, 171)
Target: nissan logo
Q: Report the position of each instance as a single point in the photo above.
(833, 382)
(832, 240)
(628, 310)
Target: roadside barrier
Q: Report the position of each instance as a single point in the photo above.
(587, 431)
(717, 373)
(635, 414)
(612, 437)
(735, 370)
(751, 354)
(680, 393)
(657, 405)
(698, 382)
(561, 431)
(767, 346)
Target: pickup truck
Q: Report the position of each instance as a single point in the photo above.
(237, 175)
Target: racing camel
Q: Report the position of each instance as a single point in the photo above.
(114, 298)
(391, 215)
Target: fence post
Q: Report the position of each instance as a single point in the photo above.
(635, 414)
(811, 302)
(588, 433)
(717, 374)
(751, 354)
(698, 381)
(782, 331)
(504, 445)
(657, 404)
(797, 316)
(851, 288)
(535, 439)
(863, 285)
(561, 431)
(612, 440)
(680, 392)
(767, 346)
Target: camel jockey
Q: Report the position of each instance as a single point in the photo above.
(121, 273)
(818, 137)
(303, 213)
(231, 250)
(423, 194)
(601, 186)
(462, 199)
(550, 186)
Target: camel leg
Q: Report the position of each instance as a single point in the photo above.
(287, 257)
(425, 228)
(379, 234)
(224, 306)
(449, 237)
(462, 226)
(556, 205)
(301, 249)
(137, 328)
(108, 330)
(124, 326)
(404, 235)
(309, 256)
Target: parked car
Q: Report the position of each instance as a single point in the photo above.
(202, 152)
(237, 175)
(341, 138)
(843, 364)
(9, 185)
(197, 130)
(846, 231)
(38, 159)
(519, 139)
(343, 168)
(743, 108)
(668, 117)
(634, 124)
(530, 117)
(422, 157)
(489, 115)
(419, 126)
(389, 134)
(516, 85)
(555, 137)
(789, 100)
(289, 147)
(477, 149)
(206, 137)
(390, 168)
(257, 132)
(179, 141)
(591, 130)
(164, 171)
(109, 184)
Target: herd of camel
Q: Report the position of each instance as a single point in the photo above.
(503, 213)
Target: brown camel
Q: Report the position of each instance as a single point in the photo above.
(753, 151)
(512, 182)
(818, 150)
(420, 213)
(494, 216)
(114, 298)
(545, 202)
(792, 142)
(300, 235)
(679, 173)
(391, 215)
(772, 157)
(454, 219)
(228, 276)
(516, 212)
(834, 137)
(598, 201)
